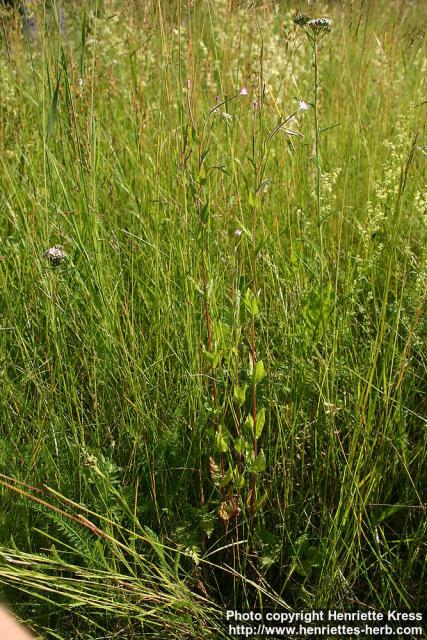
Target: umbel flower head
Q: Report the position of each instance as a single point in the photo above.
(55, 255)
(301, 19)
(320, 25)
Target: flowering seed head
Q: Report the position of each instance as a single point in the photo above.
(55, 255)
(300, 19)
(320, 25)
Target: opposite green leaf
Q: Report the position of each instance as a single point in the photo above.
(251, 303)
(228, 477)
(221, 440)
(249, 422)
(240, 394)
(260, 422)
(259, 372)
(259, 464)
(240, 444)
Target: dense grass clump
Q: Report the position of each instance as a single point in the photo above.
(213, 330)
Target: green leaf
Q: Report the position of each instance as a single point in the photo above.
(259, 372)
(204, 213)
(250, 369)
(228, 477)
(208, 356)
(239, 480)
(251, 303)
(203, 156)
(214, 357)
(305, 568)
(387, 513)
(240, 444)
(249, 422)
(313, 555)
(207, 522)
(240, 394)
(306, 556)
(259, 464)
(195, 136)
(194, 553)
(300, 546)
(222, 439)
(53, 109)
(260, 422)
(259, 502)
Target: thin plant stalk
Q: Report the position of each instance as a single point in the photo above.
(314, 43)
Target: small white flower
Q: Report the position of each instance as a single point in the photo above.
(238, 233)
(244, 92)
(303, 105)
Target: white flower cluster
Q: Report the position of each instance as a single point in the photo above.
(374, 221)
(301, 19)
(55, 255)
(420, 204)
(320, 25)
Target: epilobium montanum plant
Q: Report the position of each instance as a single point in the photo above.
(237, 462)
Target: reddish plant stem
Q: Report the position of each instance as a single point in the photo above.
(254, 417)
(209, 333)
(253, 354)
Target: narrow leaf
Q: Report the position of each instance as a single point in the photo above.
(53, 109)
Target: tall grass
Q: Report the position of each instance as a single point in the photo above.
(217, 398)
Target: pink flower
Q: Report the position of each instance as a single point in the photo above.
(303, 106)
(244, 92)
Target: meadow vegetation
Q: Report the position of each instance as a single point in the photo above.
(213, 390)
